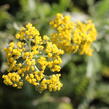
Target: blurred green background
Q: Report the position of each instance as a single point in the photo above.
(85, 78)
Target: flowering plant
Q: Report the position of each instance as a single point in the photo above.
(31, 54)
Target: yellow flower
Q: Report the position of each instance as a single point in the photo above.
(13, 79)
(72, 36)
(52, 83)
(29, 57)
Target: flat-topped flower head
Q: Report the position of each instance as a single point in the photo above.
(72, 36)
(28, 58)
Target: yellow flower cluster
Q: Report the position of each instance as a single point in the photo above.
(72, 36)
(52, 83)
(13, 79)
(29, 57)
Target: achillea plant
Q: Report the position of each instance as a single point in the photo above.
(28, 58)
(72, 36)
(31, 54)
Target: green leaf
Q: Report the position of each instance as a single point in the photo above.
(102, 8)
